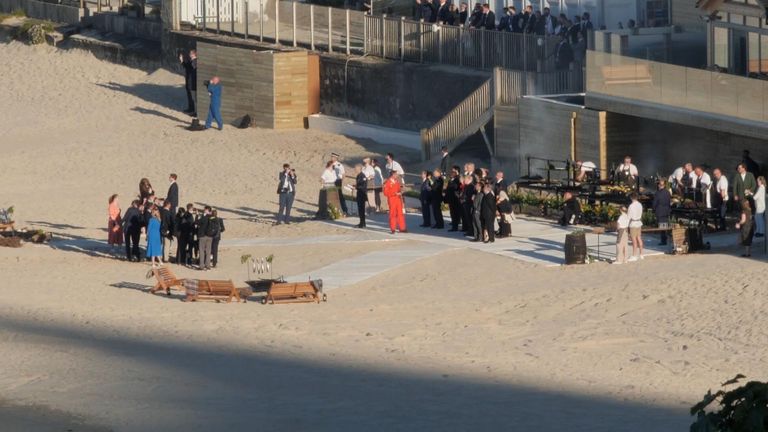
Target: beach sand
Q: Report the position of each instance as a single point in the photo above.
(462, 340)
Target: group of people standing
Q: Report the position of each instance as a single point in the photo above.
(196, 233)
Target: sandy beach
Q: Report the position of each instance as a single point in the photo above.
(459, 340)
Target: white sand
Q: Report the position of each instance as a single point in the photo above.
(464, 340)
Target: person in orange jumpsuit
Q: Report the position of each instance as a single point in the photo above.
(393, 192)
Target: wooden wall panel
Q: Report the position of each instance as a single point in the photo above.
(291, 89)
(313, 83)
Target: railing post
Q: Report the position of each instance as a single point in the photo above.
(312, 26)
(347, 18)
(293, 12)
(245, 18)
(482, 48)
(384, 36)
(330, 31)
(218, 16)
(277, 22)
(232, 17)
(421, 41)
(461, 44)
(402, 39)
(261, 20)
(439, 44)
(205, 18)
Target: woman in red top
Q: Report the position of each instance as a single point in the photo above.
(393, 192)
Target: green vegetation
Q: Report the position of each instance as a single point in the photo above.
(18, 13)
(33, 30)
(742, 409)
(333, 212)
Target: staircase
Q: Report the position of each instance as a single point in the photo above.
(504, 88)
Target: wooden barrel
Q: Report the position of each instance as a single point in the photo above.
(575, 248)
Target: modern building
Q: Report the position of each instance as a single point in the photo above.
(737, 35)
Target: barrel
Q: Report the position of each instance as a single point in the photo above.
(575, 248)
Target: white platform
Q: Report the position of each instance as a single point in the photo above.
(403, 138)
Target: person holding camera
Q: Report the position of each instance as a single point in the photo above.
(286, 189)
(214, 110)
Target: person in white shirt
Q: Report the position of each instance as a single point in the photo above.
(392, 165)
(584, 170)
(627, 173)
(338, 169)
(370, 173)
(635, 213)
(688, 185)
(622, 235)
(720, 197)
(759, 198)
(328, 178)
(703, 185)
(378, 184)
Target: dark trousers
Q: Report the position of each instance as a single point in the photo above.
(132, 245)
(190, 100)
(505, 229)
(377, 196)
(454, 206)
(437, 213)
(362, 199)
(342, 200)
(192, 248)
(477, 225)
(286, 203)
(466, 218)
(181, 249)
(488, 227)
(215, 250)
(426, 210)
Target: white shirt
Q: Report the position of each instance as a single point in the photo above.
(287, 185)
(328, 177)
(369, 171)
(632, 169)
(338, 169)
(378, 177)
(635, 213)
(394, 166)
(706, 182)
(760, 199)
(692, 175)
(677, 175)
(722, 187)
(623, 222)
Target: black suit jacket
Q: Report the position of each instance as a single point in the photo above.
(443, 15)
(281, 179)
(445, 164)
(173, 196)
(488, 207)
(488, 21)
(132, 220)
(437, 190)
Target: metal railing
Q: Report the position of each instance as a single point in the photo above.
(504, 88)
(353, 32)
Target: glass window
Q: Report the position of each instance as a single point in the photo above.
(763, 53)
(736, 19)
(753, 54)
(721, 47)
(753, 21)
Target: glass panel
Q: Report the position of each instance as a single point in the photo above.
(753, 53)
(736, 19)
(721, 47)
(753, 22)
(764, 53)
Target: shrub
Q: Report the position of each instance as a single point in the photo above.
(34, 29)
(742, 409)
(333, 212)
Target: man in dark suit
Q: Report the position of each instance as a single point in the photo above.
(286, 189)
(166, 229)
(563, 54)
(488, 213)
(499, 184)
(525, 18)
(189, 63)
(445, 162)
(515, 20)
(744, 186)
(452, 192)
(488, 20)
(571, 210)
(662, 207)
(173, 193)
(437, 199)
(132, 223)
(504, 21)
(443, 13)
(361, 194)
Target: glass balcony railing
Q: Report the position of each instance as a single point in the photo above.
(676, 86)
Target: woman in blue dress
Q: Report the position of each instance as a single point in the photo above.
(154, 240)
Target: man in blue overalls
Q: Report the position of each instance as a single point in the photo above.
(214, 111)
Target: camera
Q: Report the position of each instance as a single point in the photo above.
(206, 83)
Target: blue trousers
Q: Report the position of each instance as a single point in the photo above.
(214, 113)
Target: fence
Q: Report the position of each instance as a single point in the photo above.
(504, 88)
(43, 10)
(353, 32)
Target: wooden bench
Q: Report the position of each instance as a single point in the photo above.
(217, 290)
(298, 292)
(166, 280)
(627, 74)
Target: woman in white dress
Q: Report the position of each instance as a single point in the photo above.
(759, 198)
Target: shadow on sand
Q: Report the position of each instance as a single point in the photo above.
(198, 387)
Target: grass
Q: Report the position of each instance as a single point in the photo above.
(21, 31)
(18, 13)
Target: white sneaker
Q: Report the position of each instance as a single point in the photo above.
(632, 259)
(616, 262)
(642, 257)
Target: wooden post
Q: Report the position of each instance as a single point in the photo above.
(384, 36)
(205, 18)
(439, 44)
(482, 48)
(421, 40)
(461, 44)
(402, 39)
(261, 20)
(312, 27)
(330, 30)
(347, 18)
(293, 11)
(218, 16)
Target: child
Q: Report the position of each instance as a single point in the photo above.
(621, 237)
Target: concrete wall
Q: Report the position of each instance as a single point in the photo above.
(247, 83)
(545, 132)
(407, 96)
(131, 27)
(660, 147)
(46, 11)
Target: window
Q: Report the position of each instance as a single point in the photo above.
(721, 47)
(763, 53)
(753, 53)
